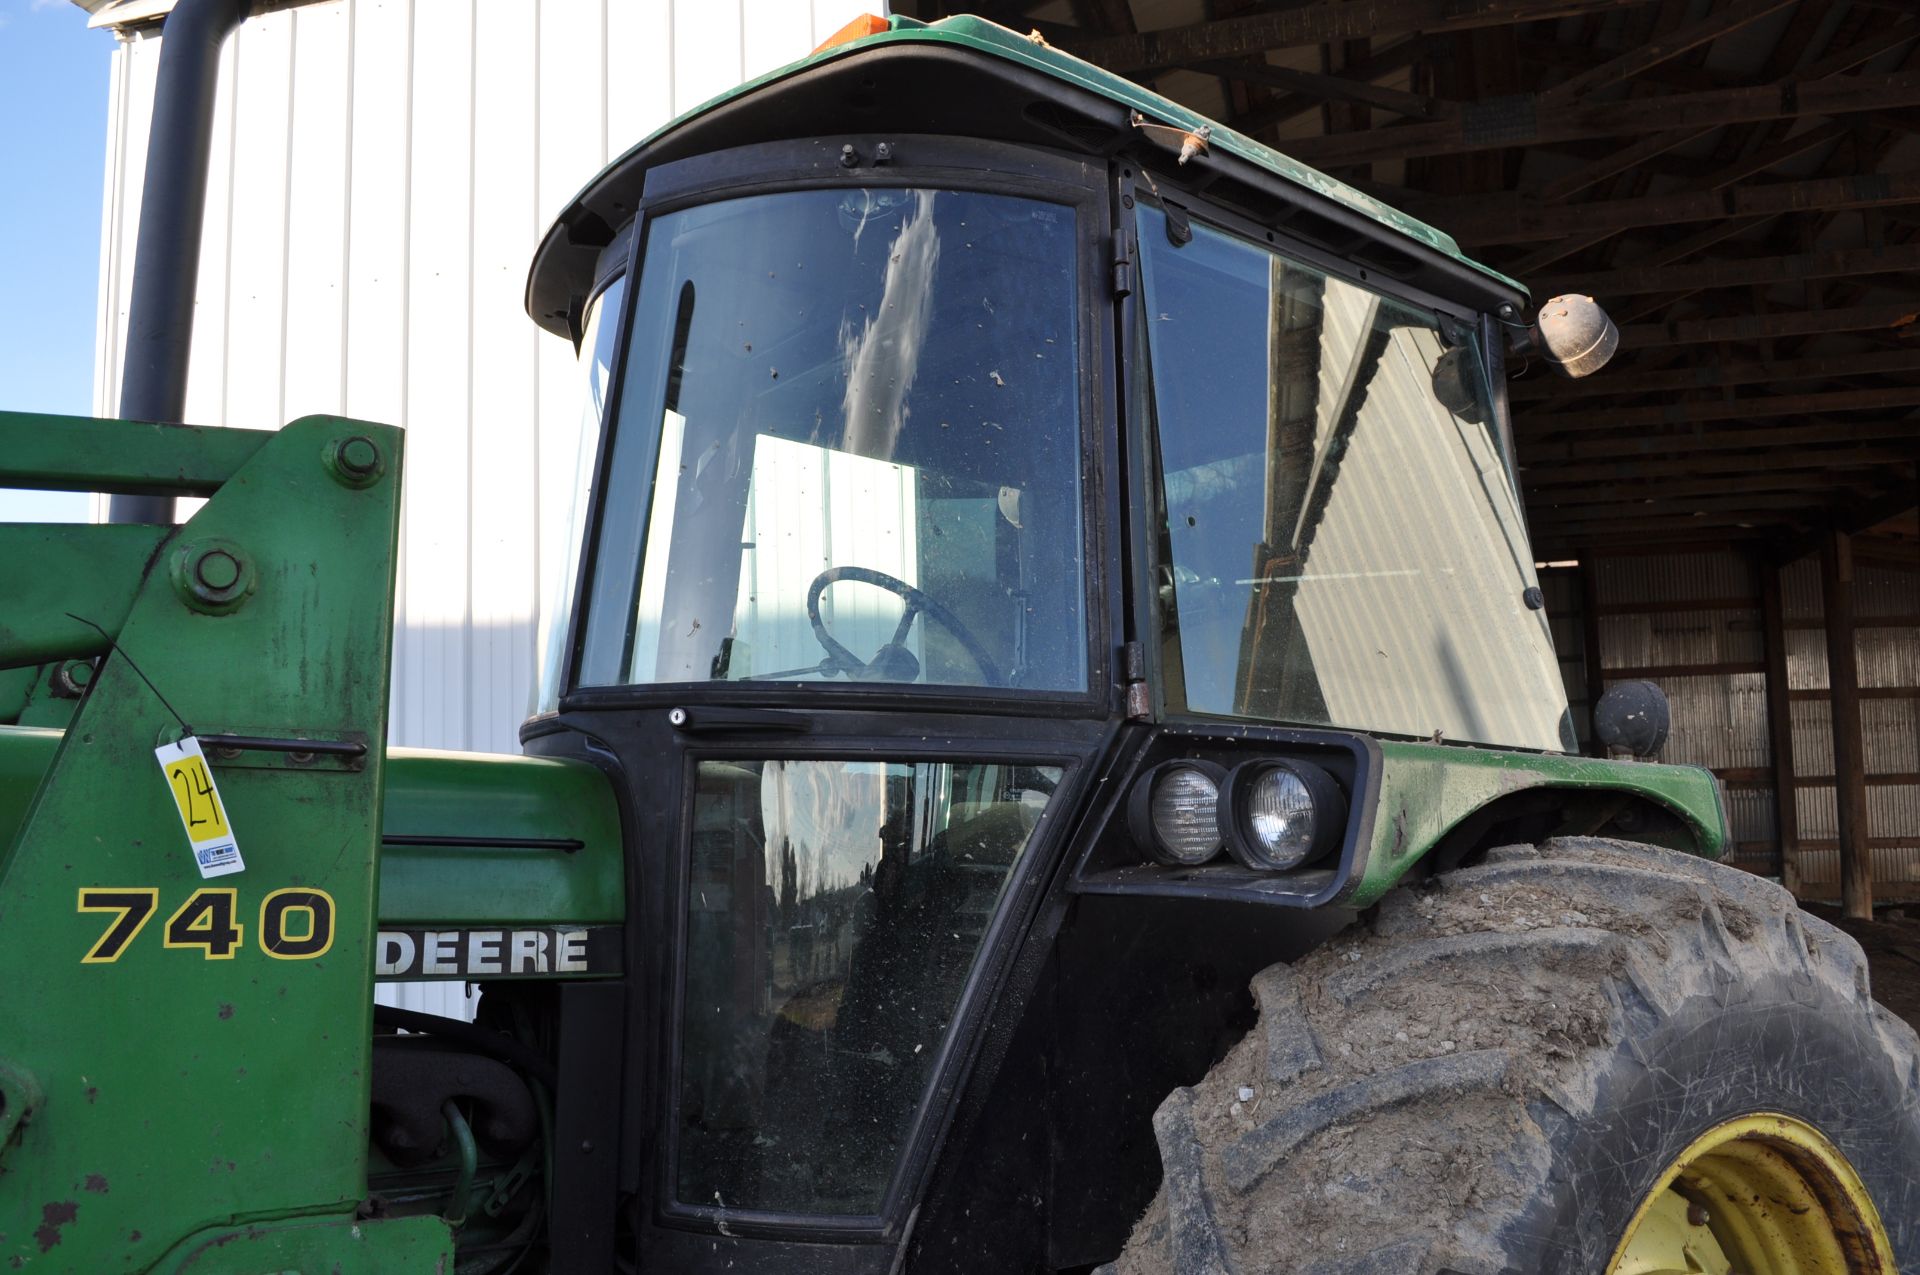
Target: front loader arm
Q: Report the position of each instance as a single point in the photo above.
(184, 1061)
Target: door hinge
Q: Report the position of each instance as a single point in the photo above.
(1133, 659)
(1122, 266)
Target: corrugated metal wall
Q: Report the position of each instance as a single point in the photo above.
(1887, 655)
(381, 174)
(1692, 621)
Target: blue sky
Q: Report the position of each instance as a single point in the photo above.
(53, 136)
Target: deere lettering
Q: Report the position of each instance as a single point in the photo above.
(496, 953)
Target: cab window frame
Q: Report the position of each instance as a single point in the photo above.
(1141, 425)
(957, 1050)
(614, 267)
(943, 163)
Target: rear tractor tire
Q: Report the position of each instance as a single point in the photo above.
(1584, 1058)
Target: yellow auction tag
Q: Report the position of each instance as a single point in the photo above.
(202, 813)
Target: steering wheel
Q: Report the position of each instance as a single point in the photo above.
(893, 661)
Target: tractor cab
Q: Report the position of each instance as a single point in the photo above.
(1045, 565)
(967, 431)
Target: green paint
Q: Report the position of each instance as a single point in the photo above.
(50, 570)
(25, 755)
(200, 1093)
(337, 1246)
(16, 689)
(1427, 789)
(78, 453)
(980, 36)
(447, 794)
(454, 794)
(44, 705)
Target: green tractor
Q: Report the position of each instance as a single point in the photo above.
(1055, 762)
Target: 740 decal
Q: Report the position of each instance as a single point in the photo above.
(295, 924)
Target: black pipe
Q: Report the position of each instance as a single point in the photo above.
(173, 204)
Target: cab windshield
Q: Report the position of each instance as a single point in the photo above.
(1341, 542)
(847, 448)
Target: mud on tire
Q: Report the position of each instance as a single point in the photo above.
(1489, 1077)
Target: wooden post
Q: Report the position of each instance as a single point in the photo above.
(1849, 764)
(1590, 645)
(1786, 810)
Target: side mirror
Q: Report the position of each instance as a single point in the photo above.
(1633, 717)
(1453, 386)
(1573, 335)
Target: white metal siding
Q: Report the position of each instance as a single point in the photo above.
(382, 171)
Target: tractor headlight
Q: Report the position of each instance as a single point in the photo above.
(1276, 815)
(1173, 812)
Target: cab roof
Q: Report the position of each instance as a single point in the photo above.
(970, 77)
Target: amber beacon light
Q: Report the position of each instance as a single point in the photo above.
(859, 29)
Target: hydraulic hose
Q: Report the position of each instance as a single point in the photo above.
(456, 1213)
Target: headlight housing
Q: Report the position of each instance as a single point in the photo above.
(1276, 815)
(1173, 812)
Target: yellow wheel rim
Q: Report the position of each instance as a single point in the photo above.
(1761, 1195)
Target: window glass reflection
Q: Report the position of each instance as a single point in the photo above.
(834, 910)
(848, 447)
(1341, 540)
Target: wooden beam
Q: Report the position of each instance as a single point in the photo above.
(1866, 692)
(1856, 519)
(1325, 88)
(1901, 555)
(1849, 764)
(1514, 218)
(1678, 250)
(1689, 77)
(1294, 105)
(1110, 17)
(1523, 120)
(1705, 440)
(1592, 657)
(1909, 620)
(1585, 56)
(1810, 504)
(1631, 156)
(1788, 477)
(1780, 150)
(1876, 779)
(1896, 121)
(1709, 374)
(1786, 811)
(1761, 327)
(1661, 49)
(1316, 22)
(1685, 606)
(1672, 514)
(1723, 668)
(1764, 271)
(1631, 529)
(1753, 408)
(1625, 540)
(1539, 473)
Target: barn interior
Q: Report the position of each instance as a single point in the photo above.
(1728, 509)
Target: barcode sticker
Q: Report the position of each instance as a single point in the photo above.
(202, 813)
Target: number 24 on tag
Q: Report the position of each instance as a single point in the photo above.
(202, 813)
